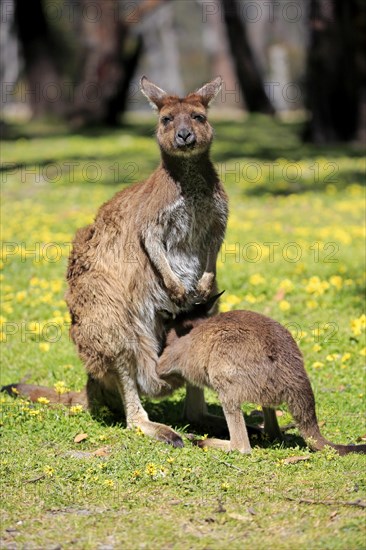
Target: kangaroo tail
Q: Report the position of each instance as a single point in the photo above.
(302, 408)
(33, 393)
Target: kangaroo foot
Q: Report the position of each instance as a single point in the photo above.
(221, 445)
(161, 433)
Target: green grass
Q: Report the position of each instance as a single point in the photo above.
(293, 250)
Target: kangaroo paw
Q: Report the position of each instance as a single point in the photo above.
(161, 433)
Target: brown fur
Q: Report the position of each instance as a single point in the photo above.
(149, 251)
(244, 356)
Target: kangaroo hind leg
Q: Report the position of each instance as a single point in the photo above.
(136, 416)
(239, 440)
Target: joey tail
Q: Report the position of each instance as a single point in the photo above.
(302, 408)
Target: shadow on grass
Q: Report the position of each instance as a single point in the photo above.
(238, 145)
(170, 412)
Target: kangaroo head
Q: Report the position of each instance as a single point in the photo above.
(183, 128)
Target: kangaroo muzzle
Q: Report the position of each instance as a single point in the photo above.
(185, 136)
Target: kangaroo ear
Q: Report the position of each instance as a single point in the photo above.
(154, 94)
(211, 301)
(209, 91)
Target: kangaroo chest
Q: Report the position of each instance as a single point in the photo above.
(188, 235)
(187, 224)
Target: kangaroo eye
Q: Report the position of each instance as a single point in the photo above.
(199, 118)
(166, 119)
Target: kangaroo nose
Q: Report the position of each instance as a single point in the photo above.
(184, 137)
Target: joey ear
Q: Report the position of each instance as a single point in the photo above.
(154, 94)
(211, 301)
(209, 91)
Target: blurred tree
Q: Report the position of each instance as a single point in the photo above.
(248, 74)
(104, 56)
(39, 50)
(336, 71)
(105, 67)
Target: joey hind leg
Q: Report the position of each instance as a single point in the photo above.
(239, 440)
(271, 427)
(136, 416)
(195, 411)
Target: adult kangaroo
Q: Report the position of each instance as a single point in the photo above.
(151, 249)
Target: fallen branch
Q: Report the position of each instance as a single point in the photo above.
(227, 464)
(359, 503)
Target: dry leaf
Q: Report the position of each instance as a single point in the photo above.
(252, 511)
(295, 459)
(362, 438)
(103, 451)
(80, 437)
(333, 514)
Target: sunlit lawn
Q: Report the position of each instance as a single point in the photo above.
(294, 250)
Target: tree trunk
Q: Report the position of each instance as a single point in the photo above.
(247, 72)
(39, 54)
(336, 71)
(109, 60)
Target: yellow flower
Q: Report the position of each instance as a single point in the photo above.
(44, 346)
(317, 347)
(15, 391)
(332, 357)
(363, 352)
(3, 337)
(47, 298)
(43, 400)
(21, 295)
(170, 460)
(225, 486)
(136, 474)
(48, 471)
(33, 412)
(151, 469)
(60, 387)
(56, 286)
(68, 367)
(230, 301)
(2, 320)
(76, 409)
(336, 281)
(345, 357)
(139, 431)
(317, 365)
(311, 304)
(256, 279)
(358, 325)
(316, 286)
(284, 305)
(108, 483)
(286, 285)
(250, 298)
